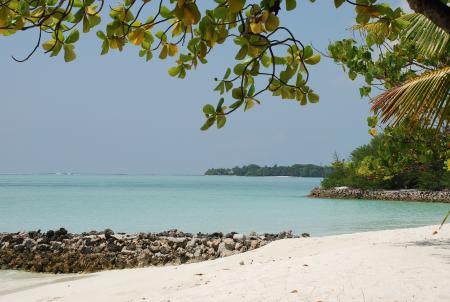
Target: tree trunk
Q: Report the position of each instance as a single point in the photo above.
(435, 10)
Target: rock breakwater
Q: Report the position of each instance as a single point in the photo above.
(63, 252)
(402, 195)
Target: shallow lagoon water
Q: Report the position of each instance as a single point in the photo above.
(195, 204)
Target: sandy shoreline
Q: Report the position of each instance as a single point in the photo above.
(393, 265)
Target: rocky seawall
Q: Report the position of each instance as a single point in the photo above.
(403, 195)
(63, 252)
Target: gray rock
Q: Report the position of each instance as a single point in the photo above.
(254, 244)
(239, 237)
(154, 247)
(62, 252)
(229, 243)
(144, 258)
(198, 252)
(165, 249)
(191, 243)
(19, 247)
(28, 243)
(108, 233)
(86, 250)
(225, 249)
(113, 247)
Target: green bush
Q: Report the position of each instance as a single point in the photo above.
(400, 158)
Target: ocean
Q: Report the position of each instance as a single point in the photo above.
(133, 204)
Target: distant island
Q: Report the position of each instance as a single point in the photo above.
(298, 170)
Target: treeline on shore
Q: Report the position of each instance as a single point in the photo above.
(402, 157)
(297, 170)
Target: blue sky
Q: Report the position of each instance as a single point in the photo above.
(119, 114)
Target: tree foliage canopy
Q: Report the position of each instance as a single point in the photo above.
(408, 68)
(400, 158)
(297, 170)
(270, 58)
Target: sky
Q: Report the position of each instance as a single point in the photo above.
(120, 114)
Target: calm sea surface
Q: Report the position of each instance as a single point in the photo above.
(194, 203)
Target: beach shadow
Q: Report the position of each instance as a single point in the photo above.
(437, 243)
(440, 244)
(26, 287)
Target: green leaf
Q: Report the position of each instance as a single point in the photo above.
(208, 109)
(266, 60)
(237, 93)
(161, 35)
(173, 71)
(302, 98)
(220, 12)
(314, 59)
(69, 54)
(338, 3)
(228, 85)
(291, 4)
(239, 69)
(73, 36)
(236, 5)
(101, 35)
(372, 121)
(220, 87)
(307, 52)
(221, 120)
(149, 56)
(236, 104)
(49, 44)
(164, 52)
(279, 60)
(219, 105)
(56, 49)
(251, 91)
(249, 103)
(227, 73)
(242, 53)
(94, 20)
(209, 122)
(272, 22)
(105, 47)
(86, 24)
(165, 12)
(312, 97)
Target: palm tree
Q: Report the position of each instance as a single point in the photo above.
(424, 99)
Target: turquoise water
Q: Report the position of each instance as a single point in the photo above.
(194, 203)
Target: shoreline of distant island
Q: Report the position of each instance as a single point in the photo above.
(296, 170)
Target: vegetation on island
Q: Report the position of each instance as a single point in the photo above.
(400, 158)
(297, 170)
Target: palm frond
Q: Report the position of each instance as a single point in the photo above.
(378, 28)
(431, 40)
(423, 99)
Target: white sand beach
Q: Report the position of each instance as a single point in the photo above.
(394, 265)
